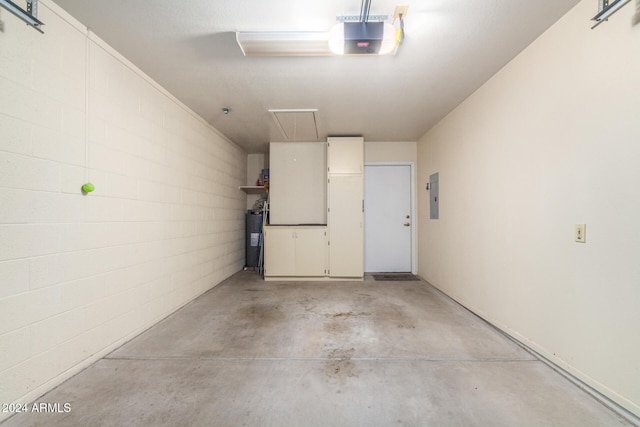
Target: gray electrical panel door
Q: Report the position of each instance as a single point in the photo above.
(434, 196)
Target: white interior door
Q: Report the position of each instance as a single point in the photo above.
(387, 218)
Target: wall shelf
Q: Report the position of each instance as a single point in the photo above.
(252, 189)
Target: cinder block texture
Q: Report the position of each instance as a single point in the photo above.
(80, 274)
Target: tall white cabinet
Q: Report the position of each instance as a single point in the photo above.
(345, 203)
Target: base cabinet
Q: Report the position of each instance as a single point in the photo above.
(295, 251)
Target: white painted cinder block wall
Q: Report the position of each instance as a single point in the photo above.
(80, 275)
(550, 141)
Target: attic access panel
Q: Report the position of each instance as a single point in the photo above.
(297, 124)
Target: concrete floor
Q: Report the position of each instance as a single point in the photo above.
(254, 353)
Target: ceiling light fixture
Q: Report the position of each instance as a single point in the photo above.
(284, 43)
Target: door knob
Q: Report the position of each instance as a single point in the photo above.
(408, 216)
(407, 224)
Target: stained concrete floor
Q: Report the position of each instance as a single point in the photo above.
(254, 353)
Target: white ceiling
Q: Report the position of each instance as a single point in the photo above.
(451, 47)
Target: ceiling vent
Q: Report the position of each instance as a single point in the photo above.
(297, 124)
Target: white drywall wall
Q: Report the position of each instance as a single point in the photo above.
(551, 140)
(402, 151)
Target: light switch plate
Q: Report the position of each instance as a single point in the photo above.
(400, 10)
(581, 230)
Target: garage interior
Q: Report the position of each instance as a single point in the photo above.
(369, 352)
(134, 142)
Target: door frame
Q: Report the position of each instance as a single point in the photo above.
(414, 222)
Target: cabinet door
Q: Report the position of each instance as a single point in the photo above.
(345, 155)
(346, 242)
(311, 244)
(297, 187)
(279, 251)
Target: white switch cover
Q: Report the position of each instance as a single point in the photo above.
(400, 10)
(581, 230)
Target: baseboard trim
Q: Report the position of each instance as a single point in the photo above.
(41, 390)
(606, 401)
(587, 388)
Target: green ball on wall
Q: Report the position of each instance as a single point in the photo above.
(88, 187)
